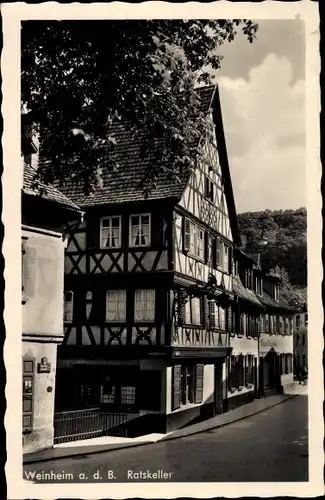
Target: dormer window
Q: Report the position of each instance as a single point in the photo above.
(276, 291)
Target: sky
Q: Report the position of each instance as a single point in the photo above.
(262, 91)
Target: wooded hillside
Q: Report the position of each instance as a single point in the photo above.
(286, 233)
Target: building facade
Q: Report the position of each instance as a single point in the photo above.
(300, 338)
(43, 220)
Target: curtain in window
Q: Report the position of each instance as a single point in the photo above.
(144, 307)
(140, 230)
(222, 318)
(116, 305)
(196, 310)
(110, 232)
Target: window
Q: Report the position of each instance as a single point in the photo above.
(277, 324)
(196, 241)
(144, 305)
(262, 322)
(193, 311)
(267, 323)
(240, 371)
(211, 257)
(248, 359)
(188, 382)
(306, 319)
(28, 390)
(139, 230)
(209, 189)
(217, 316)
(298, 321)
(116, 305)
(110, 232)
(224, 256)
(28, 271)
(276, 292)
(68, 307)
(298, 340)
(232, 372)
(258, 285)
(303, 339)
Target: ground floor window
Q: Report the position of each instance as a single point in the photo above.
(249, 361)
(93, 386)
(286, 363)
(28, 393)
(187, 384)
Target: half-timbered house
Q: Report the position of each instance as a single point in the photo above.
(149, 292)
(243, 376)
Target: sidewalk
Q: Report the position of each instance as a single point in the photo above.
(83, 449)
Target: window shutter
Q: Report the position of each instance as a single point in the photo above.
(207, 248)
(211, 305)
(207, 187)
(214, 253)
(218, 248)
(229, 320)
(28, 393)
(199, 384)
(230, 260)
(176, 394)
(186, 234)
(29, 272)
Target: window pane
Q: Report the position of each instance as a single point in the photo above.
(116, 222)
(145, 220)
(106, 222)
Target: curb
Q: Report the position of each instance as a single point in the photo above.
(219, 426)
(108, 448)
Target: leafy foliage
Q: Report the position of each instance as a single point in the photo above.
(78, 77)
(286, 248)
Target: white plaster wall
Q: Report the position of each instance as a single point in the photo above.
(244, 346)
(43, 397)
(208, 388)
(43, 312)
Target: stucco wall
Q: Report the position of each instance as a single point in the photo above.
(43, 311)
(43, 397)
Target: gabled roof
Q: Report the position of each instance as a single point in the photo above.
(48, 192)
(268, 301)
(125, 183)
(244, 293)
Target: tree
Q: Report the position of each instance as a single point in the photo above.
(293, 295)
(81, 77)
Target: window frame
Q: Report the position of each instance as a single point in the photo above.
(110, 217)
(188, 307)
(28, 429)
(68, 315)
(196, 244)
(146, 320)
(140, 216)
(107, 320)
(209, 189)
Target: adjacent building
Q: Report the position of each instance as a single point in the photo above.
(43, 219)
(300, 338)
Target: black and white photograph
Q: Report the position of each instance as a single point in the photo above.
(164, 171)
